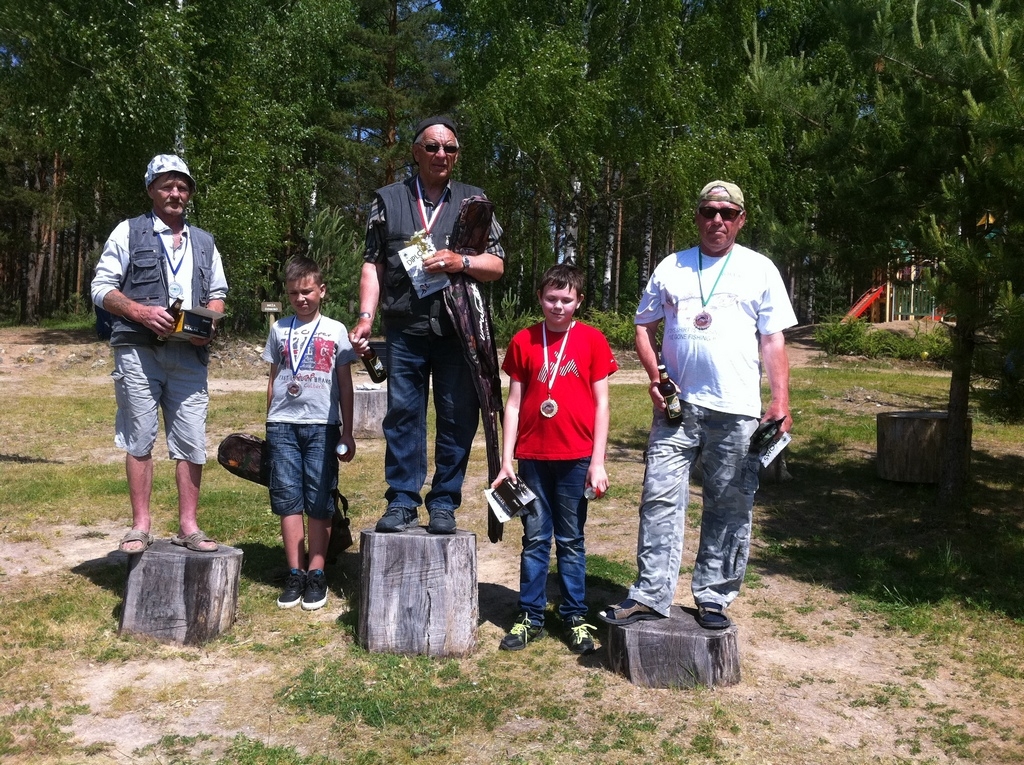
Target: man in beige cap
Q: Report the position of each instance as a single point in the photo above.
(148, 264)
(721, 304)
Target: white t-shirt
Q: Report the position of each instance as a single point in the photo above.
(316, 359)
(718, 367)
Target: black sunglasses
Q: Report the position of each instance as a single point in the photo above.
(434, 148)
(727, 213)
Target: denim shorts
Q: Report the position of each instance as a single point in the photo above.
(303, 468)
(171, 378)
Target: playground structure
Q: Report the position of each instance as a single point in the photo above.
(901, 297)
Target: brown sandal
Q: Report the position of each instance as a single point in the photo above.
(132, 537)
(195, 542)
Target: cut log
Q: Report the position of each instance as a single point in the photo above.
(418, 593)
(675, 652)
(368, 410)
(179, 596)
(910, 444)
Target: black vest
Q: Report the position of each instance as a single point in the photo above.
(400, 307)
(145, 281)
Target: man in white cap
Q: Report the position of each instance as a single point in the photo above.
(720, 303)
(148, 264)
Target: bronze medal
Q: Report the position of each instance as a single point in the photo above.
(702, 320)
(549, 408)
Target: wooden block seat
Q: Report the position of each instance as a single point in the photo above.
(418, 593)
(675, 652)
(179, 596)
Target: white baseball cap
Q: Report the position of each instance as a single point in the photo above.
(168, 163)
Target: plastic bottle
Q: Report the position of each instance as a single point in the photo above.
(673, 409)
(375, 367)
(175, 312)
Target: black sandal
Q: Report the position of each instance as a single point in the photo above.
(711, 616)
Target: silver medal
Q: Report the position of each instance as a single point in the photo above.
(175, 290)
(294, 390)
(702, 320)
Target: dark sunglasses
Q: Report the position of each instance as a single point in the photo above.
(727, 213)
(434, 148)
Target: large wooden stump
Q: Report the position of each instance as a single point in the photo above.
(418, 593)
(909, 445)
(674, 653)
(179, 596)
(368, 410)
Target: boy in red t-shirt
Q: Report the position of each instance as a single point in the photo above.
(556, 425)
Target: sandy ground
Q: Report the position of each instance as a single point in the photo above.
(800, 692)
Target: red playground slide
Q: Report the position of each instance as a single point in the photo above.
(865, 302)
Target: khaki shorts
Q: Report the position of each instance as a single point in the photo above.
(170, 378)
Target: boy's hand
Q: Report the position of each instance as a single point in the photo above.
(506, 472)
(349, 442)
(598, 478)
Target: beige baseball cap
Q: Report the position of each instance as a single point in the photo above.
(722, 191)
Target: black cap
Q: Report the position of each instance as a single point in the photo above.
(422, 125)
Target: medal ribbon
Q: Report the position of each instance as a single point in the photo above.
(558, 358)
(184, 251)
(700, 267)
(427, 222)
(305, 347)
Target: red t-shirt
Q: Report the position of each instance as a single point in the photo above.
(569, 435)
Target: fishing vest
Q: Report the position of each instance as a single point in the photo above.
(145, 279)
(400, 307)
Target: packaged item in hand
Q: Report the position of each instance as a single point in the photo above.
(509, 498)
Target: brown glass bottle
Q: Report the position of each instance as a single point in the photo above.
(175, 312)
(673, 409)
(375, 367)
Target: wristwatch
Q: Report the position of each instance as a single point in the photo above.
(365, 315)
(465, 262)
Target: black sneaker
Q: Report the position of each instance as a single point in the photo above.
(442, 521)
(398, 519)
(581, 639)
(294, 586)
(316, 590)
(523, 632)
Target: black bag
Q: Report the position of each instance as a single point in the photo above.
(246, 456)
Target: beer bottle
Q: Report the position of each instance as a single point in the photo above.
(374, 366)
(673, 409)
(175, 312)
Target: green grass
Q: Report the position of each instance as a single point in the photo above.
(953, 586)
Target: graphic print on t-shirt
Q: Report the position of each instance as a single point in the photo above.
(568, 367)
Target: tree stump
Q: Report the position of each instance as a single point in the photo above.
(418, 593)
(179, 596)
(910, 445)
(675, 652)
(368, 410)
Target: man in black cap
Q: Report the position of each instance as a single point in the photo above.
(405, 269)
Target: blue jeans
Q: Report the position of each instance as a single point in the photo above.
(560, 509)
(412, 361)
(303, 468)
(730, 481)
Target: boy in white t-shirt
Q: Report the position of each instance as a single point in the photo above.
(310, 380)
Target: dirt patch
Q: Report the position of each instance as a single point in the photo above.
(818, 676)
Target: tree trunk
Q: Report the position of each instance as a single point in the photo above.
(953, 485)
(572, 228)
(609, 250)
(644, 272)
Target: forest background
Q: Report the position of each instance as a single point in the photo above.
(868, 137)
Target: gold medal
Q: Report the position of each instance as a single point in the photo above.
(549, 408)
